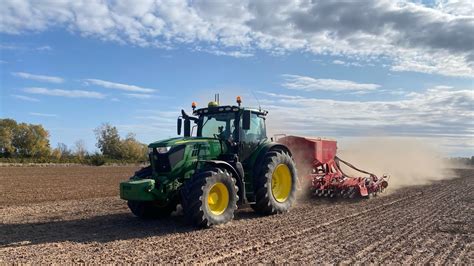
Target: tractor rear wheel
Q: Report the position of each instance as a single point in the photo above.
(210, 198)
(150, 209)
(275, 187)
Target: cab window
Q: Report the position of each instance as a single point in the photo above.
(220, 125)
(256, 131)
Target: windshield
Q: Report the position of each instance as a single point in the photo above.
(220, 125)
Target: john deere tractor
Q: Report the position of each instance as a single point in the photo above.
(223, 160)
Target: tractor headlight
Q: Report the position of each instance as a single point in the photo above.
(163, 149)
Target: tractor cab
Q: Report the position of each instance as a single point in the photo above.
(241, 129)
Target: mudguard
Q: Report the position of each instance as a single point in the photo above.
(235, 173)
(270, 146)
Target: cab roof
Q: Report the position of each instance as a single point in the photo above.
(227, 108)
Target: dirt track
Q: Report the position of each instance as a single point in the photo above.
(425, 224)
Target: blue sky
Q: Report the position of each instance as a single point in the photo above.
(394, 70)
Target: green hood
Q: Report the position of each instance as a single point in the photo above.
(180, 141)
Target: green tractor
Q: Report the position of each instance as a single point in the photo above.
(229, 162)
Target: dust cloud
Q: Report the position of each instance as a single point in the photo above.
(408, 162)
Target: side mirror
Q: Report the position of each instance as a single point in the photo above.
(187, 127)
(180, 123)
(246, 120)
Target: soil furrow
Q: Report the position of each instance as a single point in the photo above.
(361, 238)
(415, 222)
(422, 224)
(309, 229)
(353, 241)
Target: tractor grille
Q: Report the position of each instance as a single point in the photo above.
(164, 162)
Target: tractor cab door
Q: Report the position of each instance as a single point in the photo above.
(250, 139)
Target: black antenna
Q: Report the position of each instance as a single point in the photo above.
(259, 108)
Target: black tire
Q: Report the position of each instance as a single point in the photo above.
(266, 202)
(150, 209)
(196, 194)
(252, 205)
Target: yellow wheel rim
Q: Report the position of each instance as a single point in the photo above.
(281, 183)
(218, 198)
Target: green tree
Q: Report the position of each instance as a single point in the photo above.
(61, 151)
(6, 137)
(80, 149)
(132, 149)
(65, 151)
(31, 140)
(56, 154)
(108, 141)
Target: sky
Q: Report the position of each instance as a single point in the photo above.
(340, 69)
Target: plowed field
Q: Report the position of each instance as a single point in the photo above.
(73, 214)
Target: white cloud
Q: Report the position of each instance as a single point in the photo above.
(44, 48)
(443, 116)
(236, 54)
(456, 7)
(281, 96)
(344, 63)
(43, 115)
(25, 98)
(305, 83)
(398, 91)
(414, 37)
(151, 122)
(8, 47)
(118, 86)
(138, 96)
(65, 93)
(436, 112)
(216, 51)
(42, 78)
(22, 47)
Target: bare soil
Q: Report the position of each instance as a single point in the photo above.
(22, 185)
(49, 215)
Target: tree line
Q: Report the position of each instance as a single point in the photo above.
(22, 142)
(25, 143)
(459, 161)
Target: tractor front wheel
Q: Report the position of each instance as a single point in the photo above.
(150, 209)
(275, 187)
(210, 198)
